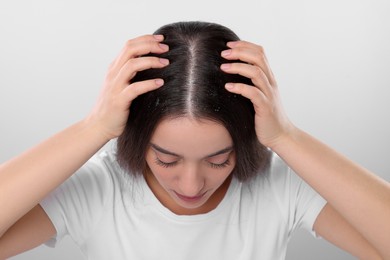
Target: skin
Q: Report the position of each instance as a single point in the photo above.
(190, 158)
(340, 181)
(360, 228)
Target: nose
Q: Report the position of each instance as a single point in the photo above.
(190, 181)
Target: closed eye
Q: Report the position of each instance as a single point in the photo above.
(165, 164)
(220, 165)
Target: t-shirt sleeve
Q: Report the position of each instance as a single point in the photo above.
(307, 204)
(300, 202)
(75, 206)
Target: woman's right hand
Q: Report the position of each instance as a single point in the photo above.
(111, 111)
(57, 158)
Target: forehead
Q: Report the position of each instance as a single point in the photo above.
(191, 137)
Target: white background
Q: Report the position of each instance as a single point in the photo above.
(331, 59)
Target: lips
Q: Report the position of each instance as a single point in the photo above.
(190, 199)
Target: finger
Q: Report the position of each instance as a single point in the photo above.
(250, 53)
(256, 74)
(138, 88)
(137, 47)
(129, 70)
(257, 97)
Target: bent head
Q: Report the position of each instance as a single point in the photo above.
(193, 92)
(189, 161)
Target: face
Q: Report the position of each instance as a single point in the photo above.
(190, 162)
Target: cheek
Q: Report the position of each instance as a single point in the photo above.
(229, 169)
(217, 177)
(160, 173)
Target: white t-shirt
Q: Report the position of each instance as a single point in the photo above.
(111, 216)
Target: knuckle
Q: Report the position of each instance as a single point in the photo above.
(138, 88)
(237, 86)
(259, 55)
(147, 37)
(129, 43)
(155, 62)
(258, 70)
(130, 64)
(151, 43)
(141, 38)
(129, 46)
(143, 43)
(260, 49)
(237, 50)
(135, 90)
(242, 43)
(254, 91)
(257, 47)
(149, 62)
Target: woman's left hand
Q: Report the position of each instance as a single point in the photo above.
(337, 179)
(271, 122)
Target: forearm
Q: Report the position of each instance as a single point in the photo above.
(28, 178)
(360, 196)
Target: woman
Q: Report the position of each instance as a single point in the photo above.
(208, 166)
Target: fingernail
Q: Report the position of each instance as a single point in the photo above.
(231, 44)
(229, 85)
(163, 46)
(164, 61)
(158, 37)
(159, 82)
(226, 66)
(226, 52)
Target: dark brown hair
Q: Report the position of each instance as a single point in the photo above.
(194, 86)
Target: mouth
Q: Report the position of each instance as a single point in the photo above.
(193, 199)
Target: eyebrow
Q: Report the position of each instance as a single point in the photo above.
(164, 151)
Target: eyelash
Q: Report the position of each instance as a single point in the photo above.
(220, 165)
(212, 165)
(164, 164)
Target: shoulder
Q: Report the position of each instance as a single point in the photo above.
(279, 185)
(91, 185)
(278, 176)
(78, 204)
(102, 169)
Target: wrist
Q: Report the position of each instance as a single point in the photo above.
(94, 128)
(283, 141)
